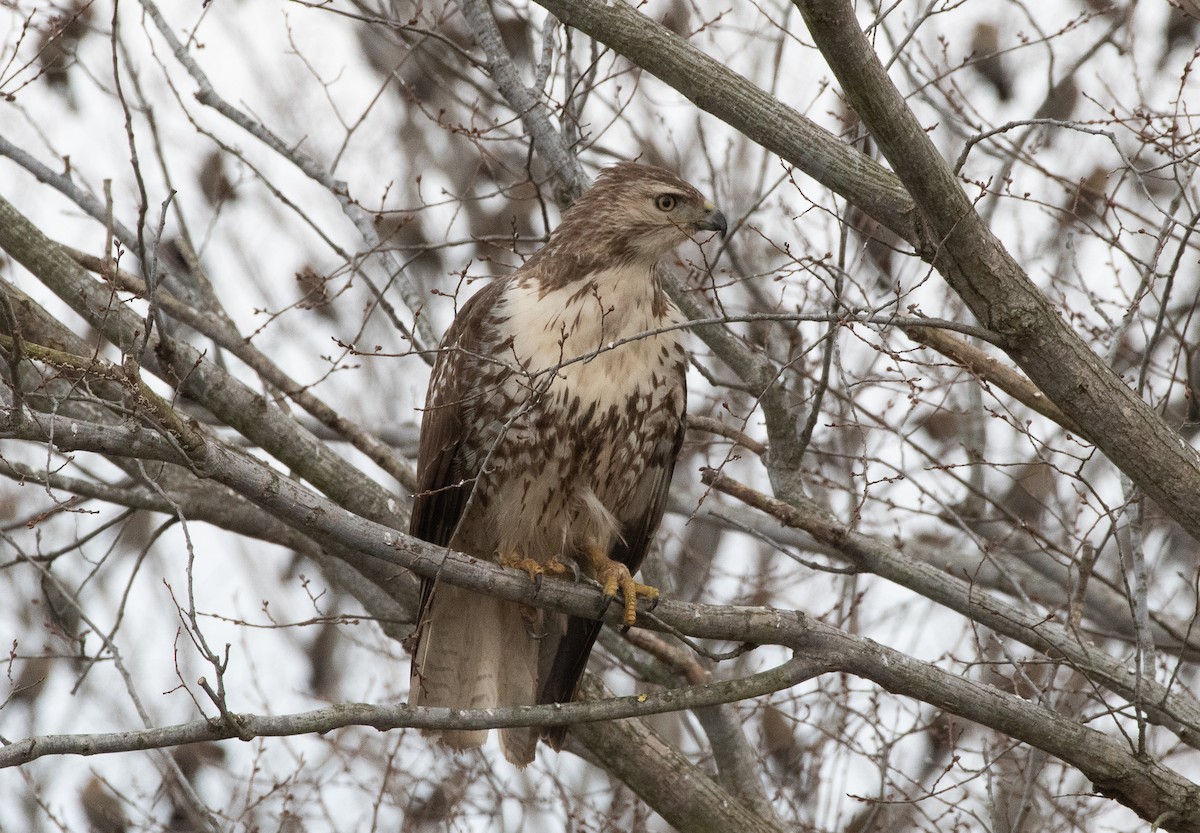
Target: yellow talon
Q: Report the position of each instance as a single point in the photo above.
(535, 569)
(613, 576)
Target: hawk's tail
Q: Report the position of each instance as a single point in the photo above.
(476, 652)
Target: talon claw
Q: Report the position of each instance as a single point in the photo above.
(529, 620)
(614, 576)
(534, 569)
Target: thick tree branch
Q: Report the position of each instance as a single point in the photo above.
(1146, 786)
(683, 795)
(738, 767)
(956, 240)
(180, 365)
(1175, 709)
(718, 90)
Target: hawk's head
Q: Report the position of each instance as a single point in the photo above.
(638, 212)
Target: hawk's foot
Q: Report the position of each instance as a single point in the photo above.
(529, 618)
(613, 576)
(535, 569)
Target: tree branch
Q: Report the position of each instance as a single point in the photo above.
(1145, 786)
(987, 368)
(549, 144)
(180, 365)
(402, 716)
(1002, 297)
(1172, 707)
(718, 90)
(678, 790)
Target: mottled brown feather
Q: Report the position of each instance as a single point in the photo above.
(444, 484)
(585, 452)
(571, 659)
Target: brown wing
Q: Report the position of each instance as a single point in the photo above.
(446, 468)
(575, 646)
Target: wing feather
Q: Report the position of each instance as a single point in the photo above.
(446, 471)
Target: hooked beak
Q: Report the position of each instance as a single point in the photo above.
(713, 220)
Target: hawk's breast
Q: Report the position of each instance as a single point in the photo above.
(593, 400)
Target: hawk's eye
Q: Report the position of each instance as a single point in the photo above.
(666, 202)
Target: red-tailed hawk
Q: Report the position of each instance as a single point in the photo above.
(541, 448)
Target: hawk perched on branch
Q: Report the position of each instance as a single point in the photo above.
(550, 432)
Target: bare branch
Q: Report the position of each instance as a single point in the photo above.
(384, 718)
(1182, 715)
(998, 291)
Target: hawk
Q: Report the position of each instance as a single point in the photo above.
(554, 415)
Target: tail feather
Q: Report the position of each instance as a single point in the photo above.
(476, 652)
(519, 745)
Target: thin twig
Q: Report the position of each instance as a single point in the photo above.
(223, 333)
(550, 144)
(991, 370)
(715, 426)
(422, 335)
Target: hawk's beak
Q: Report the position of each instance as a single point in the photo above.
(713, 220)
